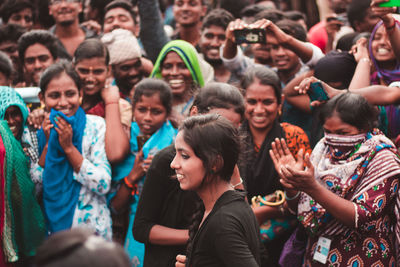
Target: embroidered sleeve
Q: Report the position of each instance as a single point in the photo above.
(377, 191)
(95, 172)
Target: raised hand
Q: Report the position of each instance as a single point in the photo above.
(360, 49)
(46, 125)
(138, 169)
(110, 93)
(271, 29)
(297, 178)
(237, 24)
(304, 86)
(281, 156)
(385, 13)
(147, 162)
(333, 25)
(65, 133)
(36, 118)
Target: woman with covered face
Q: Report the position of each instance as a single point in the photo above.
(345, 193)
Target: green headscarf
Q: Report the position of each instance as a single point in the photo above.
(187, 53)
(24, 226)
(9, 97)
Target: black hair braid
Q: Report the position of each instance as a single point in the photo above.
(194, 226)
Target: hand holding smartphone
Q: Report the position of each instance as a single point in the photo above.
(141, 140)
(250, 36)
(390, 3)
(317, 92)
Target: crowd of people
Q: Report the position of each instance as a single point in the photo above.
(199, 133)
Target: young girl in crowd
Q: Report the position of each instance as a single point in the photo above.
(73, 166)
(151, 132)
(164, 211)
(225, 231)
(91, 62)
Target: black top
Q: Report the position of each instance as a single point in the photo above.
(257, 169)
(229, 236)
(162, 202)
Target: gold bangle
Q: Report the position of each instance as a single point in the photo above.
(280, 199)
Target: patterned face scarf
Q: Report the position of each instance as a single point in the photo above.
(343, 146)
(340, 163)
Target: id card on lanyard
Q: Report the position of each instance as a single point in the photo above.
(322, 250)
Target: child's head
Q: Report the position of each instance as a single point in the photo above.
(221, 98)
(152, 104)
(79, 247)
(91, 60)
(207, 148)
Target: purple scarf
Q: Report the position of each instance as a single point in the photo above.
(388, 76)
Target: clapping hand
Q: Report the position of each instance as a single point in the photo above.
(281, 156)
(292, 172)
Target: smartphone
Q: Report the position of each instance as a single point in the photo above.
(141, 140)
(390, 3)
(317, 92)
(340, 20)
(250, 36)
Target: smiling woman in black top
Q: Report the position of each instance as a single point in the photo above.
(225, 232)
